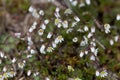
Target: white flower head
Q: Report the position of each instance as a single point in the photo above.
(28, 72)
(86, 28)
(54, 45)
(103, 73)
(58, 22)
(90, 35)
(31, 9)
(77, 18)
(69, 30)
(1, 54)
(107, 28)
(14, 60)
(92, 29)
(74, 3)
(111, 42)
(47, 78)
(42, 49)
(70, 68)
(41, 12)
(118, 17)
(40, 32)
(50, 49)
(43, 26)
(21, 64)
(74, 24)
(65, 24)
(92, 58)
(97, 73)
(49, 35)
(46, 21)
(116, 38)
(82, 4)
(35, 14)
(59, 39)
(32, 51)
(68, 11)
(81, 54)
(75, 39)
(88, 2)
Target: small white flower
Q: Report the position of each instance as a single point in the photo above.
(58, 22)
(31, 29)
(76, 18)
(81, 54)
(18, 35)
(31, 9)
(92, 29)
(93, 43)
(68, 11)
(40, 32)
(82, 4)
(116, 38)
(59, 39)
(74, 3)
(32, 51)
(35, 14)
(92, 49)
(41, 12)
(111, 42)
(43, 26)
(57, 9)
(47, 78)
(88, 2)
(46, 21)
(34, 24)
(21, 65)
(86, 52)
(70, 68)
(86, 28)
(4, 69)
(65, 24)
(1, 54)
(74, 24)
(103, 73)
(50, 49)
(35, 74)
(107, 28)
(28, 72)
(75, 39)
(54, 45)
(69, 30)
(118, 17)
(97, 73)
(42, 49)
(90, 35)
(29, 56)
(14, 60)
(92, 58)
(49, 35)
(80, 30)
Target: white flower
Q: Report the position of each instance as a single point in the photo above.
(28, 72)
(35, 74)
(116, 38)
(50, 49)
(35, 14)
(58, 22)
(92, 29)
(69, 30)
(74, 24)
(40, 32)
(65, 24)
(88, 2)
(86, 52)
(90, 35)
(76, 18)
(32, 51)
(103, 73)
(14, 60)
(86, 28)
(46, 21)
(28, 56)
(49, 35)
(43, 26)
(47, 78)
(74, 3)
(54, 45)
(92, 58)
(75, 39)
(31, 9)
(21, 64)
(41, 12)
(93, 43)
(42, 49)
(70, 68)
(111, 42)
(81, 54)
(18, 35)
(118, 17)
(68, 11)
(107, 28)
(80, 30)
(57, 9)
(59, 39)
(31, 30)
(97, 73)
(1, 54)
(4, 69)
(81, 4)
